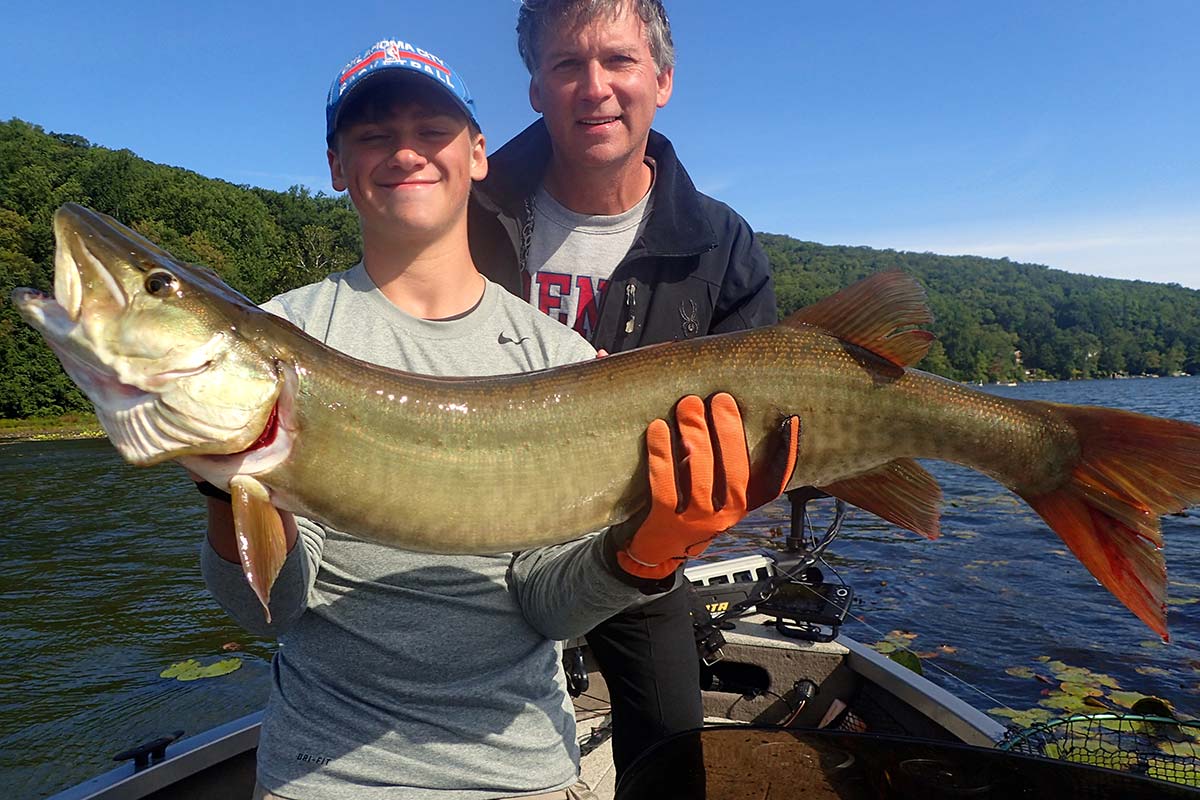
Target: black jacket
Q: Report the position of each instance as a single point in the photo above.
(695, 269)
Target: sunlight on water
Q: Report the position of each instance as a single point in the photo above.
(102, 592)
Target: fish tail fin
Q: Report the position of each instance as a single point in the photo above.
(1132, 469)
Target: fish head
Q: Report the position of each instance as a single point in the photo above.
(164, 350)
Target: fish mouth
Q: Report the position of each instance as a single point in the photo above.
(144, 426)
(71, 258)
(135, 393)
(45, 312)
(62, 325)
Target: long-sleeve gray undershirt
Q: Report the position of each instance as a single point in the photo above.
(406, 675)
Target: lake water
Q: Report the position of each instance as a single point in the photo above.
(101, 592)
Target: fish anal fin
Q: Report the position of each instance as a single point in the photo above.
(262, 545)
(900, 491)
(882, 313)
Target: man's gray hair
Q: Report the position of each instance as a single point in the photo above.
(536, 17)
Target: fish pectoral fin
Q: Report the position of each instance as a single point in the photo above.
(882, 313)
(771, 476)
(262, 545)
(900, 491)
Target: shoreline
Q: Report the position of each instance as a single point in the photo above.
(47, 429)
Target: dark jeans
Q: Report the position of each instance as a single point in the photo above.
(648, 658)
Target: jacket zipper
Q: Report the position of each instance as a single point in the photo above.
(630, 306)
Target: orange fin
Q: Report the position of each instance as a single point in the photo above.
(262, 545)
(1132, 469)
(882, 313)
(901, 492)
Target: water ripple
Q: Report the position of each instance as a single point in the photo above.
(102, 591)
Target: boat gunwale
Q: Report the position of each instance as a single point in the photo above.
(192, 755)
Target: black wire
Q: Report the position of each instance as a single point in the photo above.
(814, 555)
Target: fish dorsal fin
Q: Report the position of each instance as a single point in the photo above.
(900, 491)
(262, 545)
(882, 313)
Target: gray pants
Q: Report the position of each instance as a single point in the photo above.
(579, 791)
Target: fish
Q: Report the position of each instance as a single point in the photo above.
(181, 367)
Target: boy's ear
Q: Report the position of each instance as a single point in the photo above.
(479, 164)
(336, 176)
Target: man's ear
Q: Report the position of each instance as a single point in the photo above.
(479, 163)
(336, 176)
(666, 84)
(535, 94)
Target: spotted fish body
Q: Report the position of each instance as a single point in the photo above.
(181, 367)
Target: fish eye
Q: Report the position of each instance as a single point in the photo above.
(160, 284)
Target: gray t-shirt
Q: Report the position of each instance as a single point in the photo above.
(572, 256)
(410, 675)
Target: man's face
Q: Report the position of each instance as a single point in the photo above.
(597, 87)
(408, 167)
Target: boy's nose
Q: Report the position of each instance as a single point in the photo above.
(407, 157)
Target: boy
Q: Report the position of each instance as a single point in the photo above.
(407, 674)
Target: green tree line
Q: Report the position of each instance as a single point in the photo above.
(995, 320)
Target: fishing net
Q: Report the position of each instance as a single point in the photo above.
(1140, 744)
(764, 763)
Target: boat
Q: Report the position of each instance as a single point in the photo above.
(782, 688)
(866, 688)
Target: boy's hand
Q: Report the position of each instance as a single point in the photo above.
(703, 489)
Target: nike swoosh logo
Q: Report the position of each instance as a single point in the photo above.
(502, 339)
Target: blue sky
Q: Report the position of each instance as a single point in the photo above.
(1060, 133)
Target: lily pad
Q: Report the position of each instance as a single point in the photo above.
(1026, 719)
(1125, 699)
(193, 670)
(906, 658)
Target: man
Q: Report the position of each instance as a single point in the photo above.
(405, 675)
(589, 216)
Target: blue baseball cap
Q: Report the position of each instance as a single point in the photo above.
(395, 57)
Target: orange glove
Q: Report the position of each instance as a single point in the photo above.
(704, 490)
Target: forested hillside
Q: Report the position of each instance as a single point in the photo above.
(263, 242)
(997, 320)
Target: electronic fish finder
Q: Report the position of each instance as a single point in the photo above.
(786, 585)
